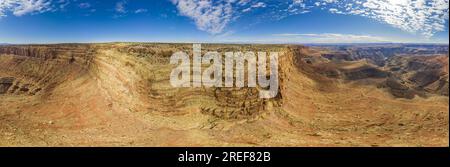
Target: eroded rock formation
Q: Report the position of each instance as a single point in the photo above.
(120, 94)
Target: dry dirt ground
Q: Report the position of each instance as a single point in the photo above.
(119, 95)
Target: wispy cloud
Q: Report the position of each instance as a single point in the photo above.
(62, 4)
(120, 7)
(423, 17)
(259, 5)
(84, 5)
(23, 7)
(209, 16)
(141, 11)
(255, 5)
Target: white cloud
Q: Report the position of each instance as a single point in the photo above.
(141, 11)
(425, 17)
(210, 16)
(62, 4)
(255, 5)
(259, 5)
(23, 7)
(333, 10)
(120, 7)
(246, 10)
(84, 5)
(243, 2)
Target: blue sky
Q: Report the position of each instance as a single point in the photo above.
(236, 21)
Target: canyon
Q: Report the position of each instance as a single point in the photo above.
(119, 94)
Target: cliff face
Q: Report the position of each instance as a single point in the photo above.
(405, 71)
(421, 73)
(222, 103)
(47, 52)
(378, 54)
(120, 94)
(33, 69)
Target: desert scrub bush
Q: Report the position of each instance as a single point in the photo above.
(129, 64)
(166, 53)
